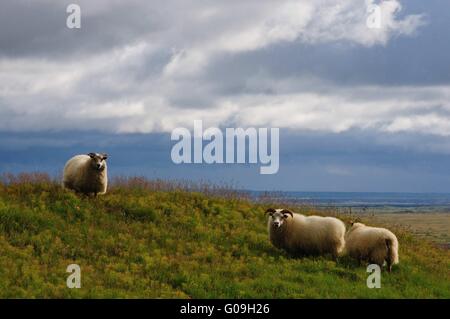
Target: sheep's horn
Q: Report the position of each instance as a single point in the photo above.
(270, 211)
(287, 211)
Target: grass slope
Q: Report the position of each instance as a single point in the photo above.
(138, 241)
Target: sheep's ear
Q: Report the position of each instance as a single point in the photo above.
(287, 211)
(270, 211)
(105, 156)
(351, 222)
(91, 155)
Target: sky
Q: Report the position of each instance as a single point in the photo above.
(358, 108)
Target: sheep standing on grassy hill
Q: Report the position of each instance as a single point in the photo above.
(305, 235)
(373, 244)
(86, 174)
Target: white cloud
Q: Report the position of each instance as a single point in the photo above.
(259, 24)
(146, 109)
(113, 91)
(145, 106)
(346, 20)
(385, 109)
(431, 123)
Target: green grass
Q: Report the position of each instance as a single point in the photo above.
(147, 240)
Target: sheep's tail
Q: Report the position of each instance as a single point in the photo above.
(392, 252)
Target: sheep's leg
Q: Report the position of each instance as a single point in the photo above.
(360, 261)
(389, 266)
(335, 255)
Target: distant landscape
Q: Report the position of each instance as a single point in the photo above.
(432, 226)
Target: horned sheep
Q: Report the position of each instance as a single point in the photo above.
(86, 174)
(376, 245)
(305, 235)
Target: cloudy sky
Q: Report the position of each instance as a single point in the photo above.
(358, 109)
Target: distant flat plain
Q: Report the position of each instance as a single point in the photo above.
(432, 226)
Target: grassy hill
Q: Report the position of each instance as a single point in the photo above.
(151, 239)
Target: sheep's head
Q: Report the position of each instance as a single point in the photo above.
(98, 161)
(356, 225)
(355, 221)
(279, 216)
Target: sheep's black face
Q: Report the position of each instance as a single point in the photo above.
(98, 161)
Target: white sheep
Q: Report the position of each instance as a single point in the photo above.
(305, 235)
(372, 244)
(86, 174)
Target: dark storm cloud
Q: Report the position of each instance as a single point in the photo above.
(38, 28)
(330, 162)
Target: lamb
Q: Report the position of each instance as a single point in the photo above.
(373, 244)
(86, 174)
(305, 235)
